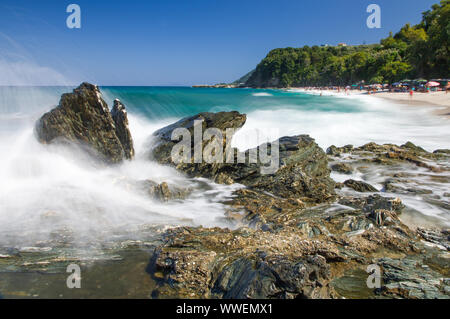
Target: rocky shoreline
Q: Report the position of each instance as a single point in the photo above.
(293, 234)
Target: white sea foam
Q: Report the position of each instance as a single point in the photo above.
(376, 121)
(47, 188)
(262, 94)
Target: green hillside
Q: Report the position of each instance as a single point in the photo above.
(420, 51)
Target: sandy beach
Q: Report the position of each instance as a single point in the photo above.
(439, 100)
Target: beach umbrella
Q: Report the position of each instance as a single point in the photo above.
(432, 83)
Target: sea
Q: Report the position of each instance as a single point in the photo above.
(45, 189)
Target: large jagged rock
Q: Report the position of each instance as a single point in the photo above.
(221, 120)
(302, 167)
(219, 263)
(291, 251)
(82, 117)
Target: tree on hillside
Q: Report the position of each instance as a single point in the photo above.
(415, 51)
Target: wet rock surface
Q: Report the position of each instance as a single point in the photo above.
(439, 237)
(222, 121)
(342, 168)
(218, 263)
(164, 192)
(290, 234)
(302, 165)
(83, 118)
(418, 177)
(359, 186)
(409, 278)
(290, 251)
(290, 247)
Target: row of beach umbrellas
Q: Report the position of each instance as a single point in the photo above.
(423, 82)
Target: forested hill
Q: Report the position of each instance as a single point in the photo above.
(420, 51)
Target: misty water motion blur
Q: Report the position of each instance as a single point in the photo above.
(47, 189)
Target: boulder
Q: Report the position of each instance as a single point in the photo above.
(219, 263)
(373, 202)
(274, 277)
(303, 172)
(162, 151)
(360, 186)
(413, 148)
(83, 118)
(337, 151)
(164, 192)
(302, 165)
(342, 168)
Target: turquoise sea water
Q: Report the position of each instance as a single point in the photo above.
(39, 181)
(329, 119)
(161, 102)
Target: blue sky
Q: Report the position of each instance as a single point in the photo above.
(179, 42)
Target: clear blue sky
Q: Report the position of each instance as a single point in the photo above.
(181, 42)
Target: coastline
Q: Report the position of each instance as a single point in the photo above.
(440, 101)
(361, 203)
(437, 102)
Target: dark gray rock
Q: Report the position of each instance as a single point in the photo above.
(442, 151)
(342, 168)
(439, 237)
(414, 148)
(83, 118)
(278, 277)
(373, 202)
(337, 151)
(409, 278)
(164, 192)
(360, 186)
(303, 167)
